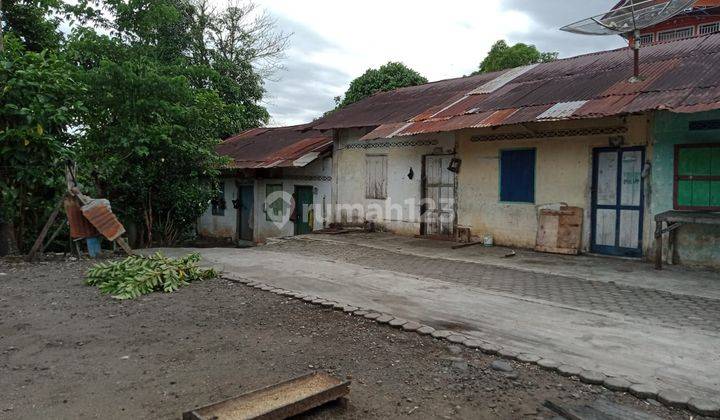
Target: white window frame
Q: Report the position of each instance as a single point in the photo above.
(675, 32)
(651, 36)
(376, 177)
(715, 25)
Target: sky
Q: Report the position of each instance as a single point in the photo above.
(335, 41)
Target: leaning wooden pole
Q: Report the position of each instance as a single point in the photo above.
(43, 233)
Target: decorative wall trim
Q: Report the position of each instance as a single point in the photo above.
(576, 132)
(389, 144)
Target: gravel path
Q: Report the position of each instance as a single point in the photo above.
(67, 352)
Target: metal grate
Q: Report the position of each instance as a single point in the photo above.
(676, 34)
(709, 28)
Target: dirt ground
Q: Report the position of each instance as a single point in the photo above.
(66, 351)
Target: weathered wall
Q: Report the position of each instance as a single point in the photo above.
(398, 215)
(220, 227)
(563, 174)
(317, 174)
(697, 245)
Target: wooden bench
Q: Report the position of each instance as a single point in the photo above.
(669, 221)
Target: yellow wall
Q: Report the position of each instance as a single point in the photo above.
(562, 175)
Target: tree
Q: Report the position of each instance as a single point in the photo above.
(34, 23)
(40, 100)
(502, 56)
(169, 81)
(390, 76)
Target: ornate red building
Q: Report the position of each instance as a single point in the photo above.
(703, 18)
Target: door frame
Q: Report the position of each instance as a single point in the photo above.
(616, 250)
(298, 208)
(423, 196)
(238, 219)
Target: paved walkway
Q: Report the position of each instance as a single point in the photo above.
(645, 335)
(638, 302)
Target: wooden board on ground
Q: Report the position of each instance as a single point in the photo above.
(560, 231)
(279, 401)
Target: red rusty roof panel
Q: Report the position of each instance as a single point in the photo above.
(273, 147)
(401, 104)
(677, 75)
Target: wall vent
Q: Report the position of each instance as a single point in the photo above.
(704, 125)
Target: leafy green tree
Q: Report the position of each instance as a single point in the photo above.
(502, 56)
(34, 23)
(40, 101)
(163, 88)
(390, 76)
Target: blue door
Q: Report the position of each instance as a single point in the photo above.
(617, 201)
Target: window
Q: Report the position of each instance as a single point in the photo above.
(517, 176)
(709, 28)
(218, 202)
(376, 177)
(697, 177)
(274, 203)
(647, 39)
(676, 34)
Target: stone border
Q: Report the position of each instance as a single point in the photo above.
(670, 398)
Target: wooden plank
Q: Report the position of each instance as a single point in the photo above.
(278, 401)
(41, 238)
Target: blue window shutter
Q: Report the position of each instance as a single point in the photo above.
(517, 176)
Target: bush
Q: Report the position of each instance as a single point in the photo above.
(137, 275)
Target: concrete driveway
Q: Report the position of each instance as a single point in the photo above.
(642, 333)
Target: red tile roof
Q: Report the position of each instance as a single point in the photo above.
(275, 147)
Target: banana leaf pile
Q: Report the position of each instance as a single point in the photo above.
(139, 275)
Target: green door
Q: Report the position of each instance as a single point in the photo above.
(304, 210)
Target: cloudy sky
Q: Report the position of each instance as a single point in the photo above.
(335, 41)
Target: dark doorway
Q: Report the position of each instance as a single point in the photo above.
(304, 210)
(245, 219)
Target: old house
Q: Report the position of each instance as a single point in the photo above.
(491, 152)
(277, 185)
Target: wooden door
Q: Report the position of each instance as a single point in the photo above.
(245, 211)
(304, 210)
(439, 215)
(617, 201)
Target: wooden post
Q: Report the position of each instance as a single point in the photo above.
(41, 238)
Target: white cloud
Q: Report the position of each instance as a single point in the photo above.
(336, 41)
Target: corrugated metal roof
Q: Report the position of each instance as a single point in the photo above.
(679, 76)
(401, 104)
(275, 147)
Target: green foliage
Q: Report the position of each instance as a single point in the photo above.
(34, 23)
(502, 56)
(39, 100)
(136, 276)
(390, 76)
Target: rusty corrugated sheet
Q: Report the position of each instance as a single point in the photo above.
(679, 76)
(100, 216)
(273, 147)
(80, 227)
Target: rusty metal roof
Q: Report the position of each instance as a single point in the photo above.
(275, 147)
(678, 76)
(401, 104)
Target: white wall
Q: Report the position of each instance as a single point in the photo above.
(220, 227)
(317, 174)
(403, 153)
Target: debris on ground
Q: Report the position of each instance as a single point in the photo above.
(139, 275)
(278, 401)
